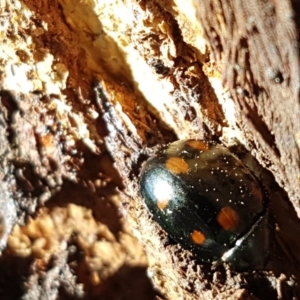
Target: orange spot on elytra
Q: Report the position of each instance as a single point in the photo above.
(177, 165)
(198, 237)
(199, 145)
(162, 203)
(228, 218)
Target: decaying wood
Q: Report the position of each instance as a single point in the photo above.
(70, 239)
(259, 80)
(258, 44)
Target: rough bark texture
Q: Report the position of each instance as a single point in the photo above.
(63, 194)
(258, 43)
(258, 79)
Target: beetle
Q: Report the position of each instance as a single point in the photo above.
(208, 201)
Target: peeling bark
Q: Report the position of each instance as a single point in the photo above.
(58, 137)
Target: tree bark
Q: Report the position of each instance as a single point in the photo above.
(90, 90)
